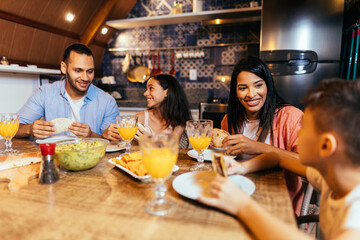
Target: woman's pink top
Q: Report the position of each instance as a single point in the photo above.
(286, 124)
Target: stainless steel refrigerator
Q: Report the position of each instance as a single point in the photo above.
(301, 43)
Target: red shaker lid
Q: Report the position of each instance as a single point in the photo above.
(47, 148)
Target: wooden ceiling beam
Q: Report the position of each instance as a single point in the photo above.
(45, 27)
(96, 22)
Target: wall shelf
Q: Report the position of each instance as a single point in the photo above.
(179, 48)
(28, 70)
(240, 14)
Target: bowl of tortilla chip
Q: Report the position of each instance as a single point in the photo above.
(80, 154)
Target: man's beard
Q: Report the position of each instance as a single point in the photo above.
(72, 84)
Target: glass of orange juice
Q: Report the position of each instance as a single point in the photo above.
(127, 126)
(200, 134)
(159, 155)
(9, 124)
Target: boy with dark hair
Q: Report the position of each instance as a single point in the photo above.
(328, 156)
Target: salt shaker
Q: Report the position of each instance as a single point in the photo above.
(49, 173)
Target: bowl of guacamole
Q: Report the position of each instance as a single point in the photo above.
(80, 154)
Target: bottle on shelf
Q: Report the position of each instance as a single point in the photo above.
(198, 5)
(177, 7)
(4, 61)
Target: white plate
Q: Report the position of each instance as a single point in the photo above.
(207, 154)
(219, 149)
(142, 178)
(115, 147)
(194, 184)
(31, 66)
(54, 139)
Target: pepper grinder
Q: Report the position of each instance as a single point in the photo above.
(49, 173)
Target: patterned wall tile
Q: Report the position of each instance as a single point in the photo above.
(204, 58)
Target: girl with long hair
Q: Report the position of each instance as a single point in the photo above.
(259, 120)
(168, 108)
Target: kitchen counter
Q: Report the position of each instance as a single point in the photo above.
(142, 104)
(107, 203)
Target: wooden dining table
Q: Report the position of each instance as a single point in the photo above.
(107, 203)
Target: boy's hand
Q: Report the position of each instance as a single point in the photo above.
(227, 196)
(112, 133)
(234, 167)
(42, 129)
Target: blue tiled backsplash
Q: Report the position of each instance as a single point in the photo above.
(208, 61)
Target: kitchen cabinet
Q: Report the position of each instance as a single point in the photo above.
(17, 84)
(132, 111)
(206, 17)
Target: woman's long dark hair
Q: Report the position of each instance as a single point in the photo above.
(236, 111)
(175, 107)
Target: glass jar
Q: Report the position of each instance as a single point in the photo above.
(198, 5)
(177, 7)
(4, 61)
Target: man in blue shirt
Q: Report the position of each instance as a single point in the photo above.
(90, 108)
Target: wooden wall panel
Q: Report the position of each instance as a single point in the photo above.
(39, 46)
(6, 35)
(20, 42)
(58, 45)
(98, 56)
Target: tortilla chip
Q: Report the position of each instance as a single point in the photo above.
(62, 124)
(133, 162)
(134, 156)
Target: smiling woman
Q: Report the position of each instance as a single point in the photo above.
(251, 93)
(259, 119)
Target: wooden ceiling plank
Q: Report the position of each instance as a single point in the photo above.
(38, 25)
(97, 21)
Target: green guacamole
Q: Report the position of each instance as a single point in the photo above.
(80, 156)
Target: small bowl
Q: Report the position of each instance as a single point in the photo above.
(80, 154)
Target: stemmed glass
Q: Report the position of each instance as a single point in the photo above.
(159, 154)
(127, 126)
(200, 134)
(9, 125)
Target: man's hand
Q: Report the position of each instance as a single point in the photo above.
(111, 133)
(42, 129)
(80, 129)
